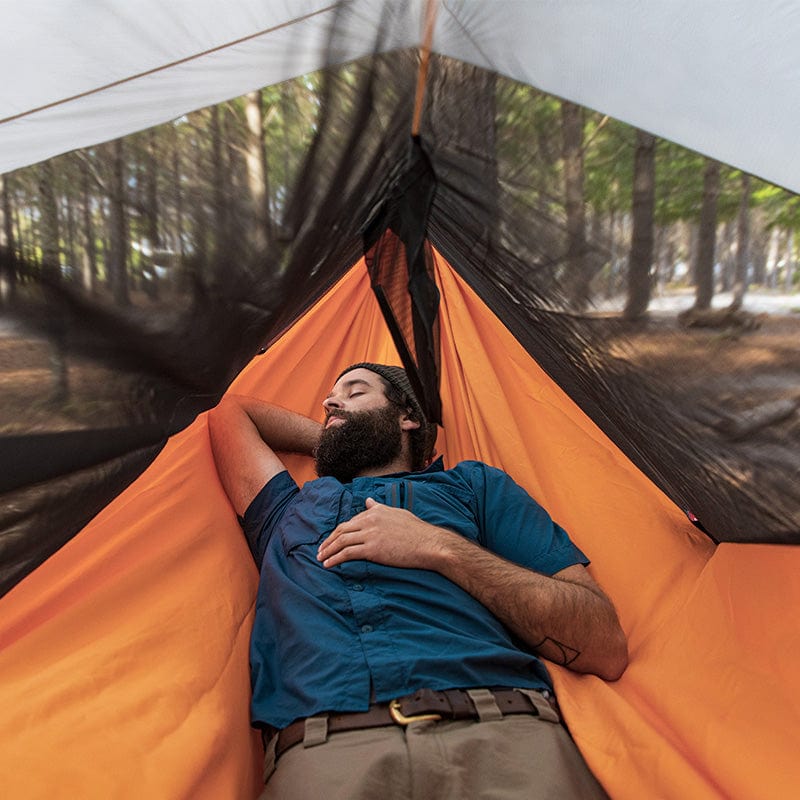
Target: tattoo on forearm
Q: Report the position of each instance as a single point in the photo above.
(568, 654)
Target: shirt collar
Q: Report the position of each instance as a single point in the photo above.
(434, 466)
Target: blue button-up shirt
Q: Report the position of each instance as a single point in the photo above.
(332, 639)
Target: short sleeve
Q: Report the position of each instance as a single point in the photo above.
(514, 526)
(265, 512)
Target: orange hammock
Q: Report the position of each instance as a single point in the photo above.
(123, 658)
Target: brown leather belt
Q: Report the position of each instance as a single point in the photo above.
(450, 704)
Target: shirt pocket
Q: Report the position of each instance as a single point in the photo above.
(446, 506)
(315, 512)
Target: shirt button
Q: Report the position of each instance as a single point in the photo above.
(366, 629)
(357, 587)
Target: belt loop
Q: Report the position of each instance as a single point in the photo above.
(544, 709)
(269, 757)
(315, 731)
(485, 705)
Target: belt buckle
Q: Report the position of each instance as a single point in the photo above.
(401, 719)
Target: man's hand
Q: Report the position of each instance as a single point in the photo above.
(564, 617)
(384, 535)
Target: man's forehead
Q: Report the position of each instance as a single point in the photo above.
(359, 375)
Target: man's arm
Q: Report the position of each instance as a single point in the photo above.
(566, 618)
(245, 434)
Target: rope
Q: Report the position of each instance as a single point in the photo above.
(169, 65)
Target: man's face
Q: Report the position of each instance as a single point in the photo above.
(362, 428)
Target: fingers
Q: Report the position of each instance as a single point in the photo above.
(360, 521)
(353, 539)
(345, 548)
(345, 534)
(380, 534)
(345, 537)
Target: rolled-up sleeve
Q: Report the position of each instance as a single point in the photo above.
(517, 528)
(265, 512)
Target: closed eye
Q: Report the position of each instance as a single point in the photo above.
(356, 394)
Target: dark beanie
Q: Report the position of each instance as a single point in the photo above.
(397, 377)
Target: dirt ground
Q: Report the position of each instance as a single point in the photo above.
(726, 379)
(747, 376)
(29, 400)
(735, 371)
(742, 387)
(731, 371)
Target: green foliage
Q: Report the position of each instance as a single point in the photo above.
(179, 162)
(528, 131)
(679, 183)
(608, 162)
(781, 208)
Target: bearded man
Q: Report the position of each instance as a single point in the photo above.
(404, 608)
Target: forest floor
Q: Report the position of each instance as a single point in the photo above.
(733, 370)
(729, 380)
(733, 375)
(736, 369)
(27, 388)
(742, 386)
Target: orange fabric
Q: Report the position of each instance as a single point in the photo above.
(123, 659)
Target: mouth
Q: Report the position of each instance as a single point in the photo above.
(334, 421)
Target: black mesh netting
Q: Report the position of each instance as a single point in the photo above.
(139, 276)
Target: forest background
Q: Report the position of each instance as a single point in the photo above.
(137, 222)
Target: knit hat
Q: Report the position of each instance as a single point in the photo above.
(397, 377)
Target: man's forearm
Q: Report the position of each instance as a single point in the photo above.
(245, 433)
(564, 620)
(283, 430)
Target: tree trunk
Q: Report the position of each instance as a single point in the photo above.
(603, 243)
(672, 253)
(178, 198)
(467, 83)
(612, 253)
(48, 223)
(665, 258)
(178, 276)
(693, 241)
(220, 236)
(742, 246)
(576, 276)
(773, 257)
(118, 247)
(69, 212)
(643, 206)
(8, 265)
(759, 242)
(23, 264)
(788, 275)
(149, 277)
(287, 115)
(257, 175)
(51, 272)
(706, 237)
(725, 255)
(89, 262)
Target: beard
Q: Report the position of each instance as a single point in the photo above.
(367, 440)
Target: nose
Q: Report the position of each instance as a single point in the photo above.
(330, 403)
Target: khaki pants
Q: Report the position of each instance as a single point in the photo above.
(519, 756)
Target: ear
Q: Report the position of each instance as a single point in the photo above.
(408, 424)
